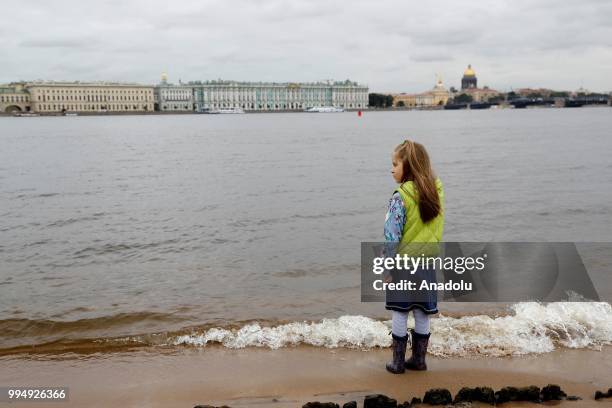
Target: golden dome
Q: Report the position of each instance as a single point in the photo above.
(469, 71)
(164, 76)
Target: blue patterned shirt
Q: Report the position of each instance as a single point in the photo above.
(394, 224)
(395, 219)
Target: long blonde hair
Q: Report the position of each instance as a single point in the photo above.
(417, 167)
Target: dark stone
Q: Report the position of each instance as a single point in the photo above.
(485, 394)
(552, 392)
(464, 394)
(600, 394)
(529, 393)
(506, 394)
(210, 406)
(317, 404)
(480, 394)
(415, 401)
(350, 404)
(573, 398)
(438, 396)
(404, 404)
(379, 401)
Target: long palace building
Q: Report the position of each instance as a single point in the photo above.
(92, 97)
(54, 97)
(270, 96)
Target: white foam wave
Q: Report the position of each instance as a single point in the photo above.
(345, 331)
(532, 328)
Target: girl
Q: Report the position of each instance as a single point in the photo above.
(415, 215)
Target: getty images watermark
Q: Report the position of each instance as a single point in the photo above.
(477, 272)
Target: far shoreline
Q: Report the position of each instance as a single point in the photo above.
(368, 110)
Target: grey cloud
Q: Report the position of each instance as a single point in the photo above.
(431, 57)
(276, 10)
(442, 36)
(388, 44)
(58, 43)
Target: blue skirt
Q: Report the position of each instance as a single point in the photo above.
(406, 300)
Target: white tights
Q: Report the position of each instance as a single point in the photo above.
(399, 322)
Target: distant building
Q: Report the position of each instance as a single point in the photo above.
(481, 94)
(170, 97)
(271, 96)
(404, 100)
(469, 86)
(14, 98)
(58, 97)
(469, 80)
(543, 92)
(50, 97)
(437, 96)
(580, 92)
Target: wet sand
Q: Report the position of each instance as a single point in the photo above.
(291, 376)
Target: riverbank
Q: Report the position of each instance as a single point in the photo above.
(156, 113)
(290, 377)
(390, 109)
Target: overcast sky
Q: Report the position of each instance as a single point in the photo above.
(392, 46)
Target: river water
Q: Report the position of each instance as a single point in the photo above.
(170, 225)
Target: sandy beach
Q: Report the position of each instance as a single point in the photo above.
(289, 377)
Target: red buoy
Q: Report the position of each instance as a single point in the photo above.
(359, 113)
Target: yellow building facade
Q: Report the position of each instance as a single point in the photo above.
(14, 98)
(481, 94)
(438, 96)
(48, 97)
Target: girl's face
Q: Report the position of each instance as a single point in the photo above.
(397, 169)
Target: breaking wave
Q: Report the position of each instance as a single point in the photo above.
(527, 328)
(531, 328)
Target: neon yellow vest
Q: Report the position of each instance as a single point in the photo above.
(415, 230)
